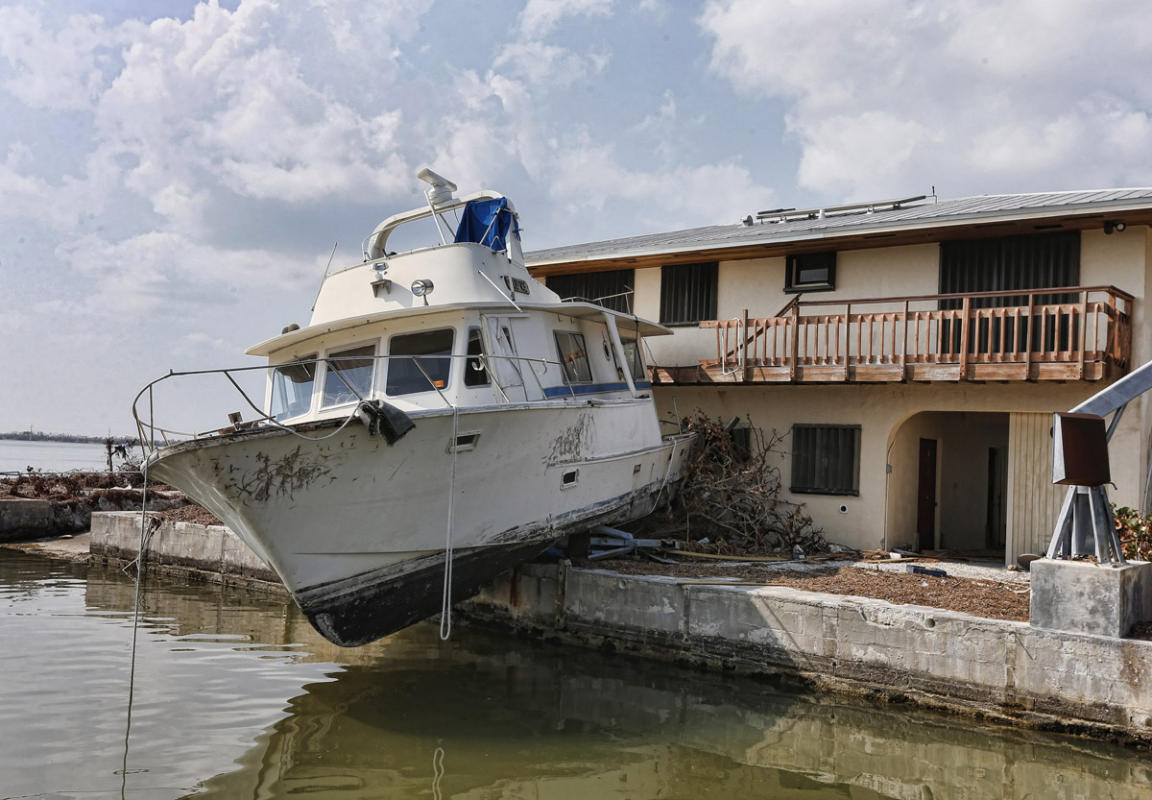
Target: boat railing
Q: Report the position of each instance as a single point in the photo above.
(154, 436)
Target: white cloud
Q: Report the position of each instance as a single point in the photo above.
(589, 177)
(890, 95)
(160, 271)
(545, 64)
(60, 69)
(540, 17)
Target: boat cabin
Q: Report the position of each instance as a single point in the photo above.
(457, 322)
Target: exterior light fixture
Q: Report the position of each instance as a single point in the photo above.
(380, 285)
(1112, 226)
(422, 287)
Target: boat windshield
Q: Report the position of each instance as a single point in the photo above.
(574, 357)
(349, 374)
(292, 388)
(411, 375)
(635, 359)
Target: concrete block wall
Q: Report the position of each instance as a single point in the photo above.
(210, 548)
(937, 657)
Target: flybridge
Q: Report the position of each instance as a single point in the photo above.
(778, 215)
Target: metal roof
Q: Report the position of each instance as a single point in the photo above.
(900, 215)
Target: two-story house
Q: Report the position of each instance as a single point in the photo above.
(912, 350)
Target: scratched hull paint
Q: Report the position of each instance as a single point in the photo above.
(357, 528)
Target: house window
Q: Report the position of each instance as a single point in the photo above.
(612, 289)
(1004, 263)
(408, 374)
(826, 459)
(688, 293)
(1007, 264)
(573, 357)
(349, 375)
(810, 272)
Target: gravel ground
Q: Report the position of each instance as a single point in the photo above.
(995, 599)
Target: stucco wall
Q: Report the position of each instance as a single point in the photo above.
(758, 286)
(881, 410)
(885, 511)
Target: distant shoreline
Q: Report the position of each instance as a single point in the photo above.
(69, 438)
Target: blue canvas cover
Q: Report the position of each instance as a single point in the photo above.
(476, 223)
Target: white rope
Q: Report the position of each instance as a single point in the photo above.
(145, 535)
(446, 599)
(437, 772)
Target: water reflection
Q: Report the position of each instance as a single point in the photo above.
(237, 697)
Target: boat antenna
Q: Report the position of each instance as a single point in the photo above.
(440, 192)
(325, 275)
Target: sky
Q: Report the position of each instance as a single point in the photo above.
(173, 175)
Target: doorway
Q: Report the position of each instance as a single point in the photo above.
(926, 496)
(997, 521)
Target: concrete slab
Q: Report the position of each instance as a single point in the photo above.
(1083, 597)
(1002, 669)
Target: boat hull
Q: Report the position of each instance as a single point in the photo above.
(357, 529)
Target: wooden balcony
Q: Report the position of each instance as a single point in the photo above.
(1056, 334)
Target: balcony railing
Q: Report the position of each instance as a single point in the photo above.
(1060, 334)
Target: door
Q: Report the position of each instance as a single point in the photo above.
(513, 375)
(926, 495)
(997, 489)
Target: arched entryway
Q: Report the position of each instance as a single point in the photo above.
(948, 482)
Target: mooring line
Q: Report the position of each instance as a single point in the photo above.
(437, 772)
(446, 599)
(145, 535)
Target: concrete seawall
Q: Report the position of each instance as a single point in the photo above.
(1004, 670)
(940, 658)
(212, 550)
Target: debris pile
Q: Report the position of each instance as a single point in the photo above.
(729, 500)
(72, 497)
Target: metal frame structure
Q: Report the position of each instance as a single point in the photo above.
(1086, 515)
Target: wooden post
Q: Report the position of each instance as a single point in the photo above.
(847, 340)
(744, 347)
(795, 344)
(1028, 340)
(1083, 333)
(965, 332)
(904, 351)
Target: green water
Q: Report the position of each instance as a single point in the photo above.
(235, 697)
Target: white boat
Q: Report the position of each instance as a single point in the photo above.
(443, 417)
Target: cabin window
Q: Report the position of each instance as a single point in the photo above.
(611, 289)
(826, 459)
(810, 272)
(474, 372)
(419, 362)
(688, 293)
(292, 388)
(573, 357)
(635, 360)
(349, 375)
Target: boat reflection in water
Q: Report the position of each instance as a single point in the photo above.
(484, 716)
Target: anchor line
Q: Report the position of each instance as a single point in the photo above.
(437, 772)
(446, 599)
(145, 537)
